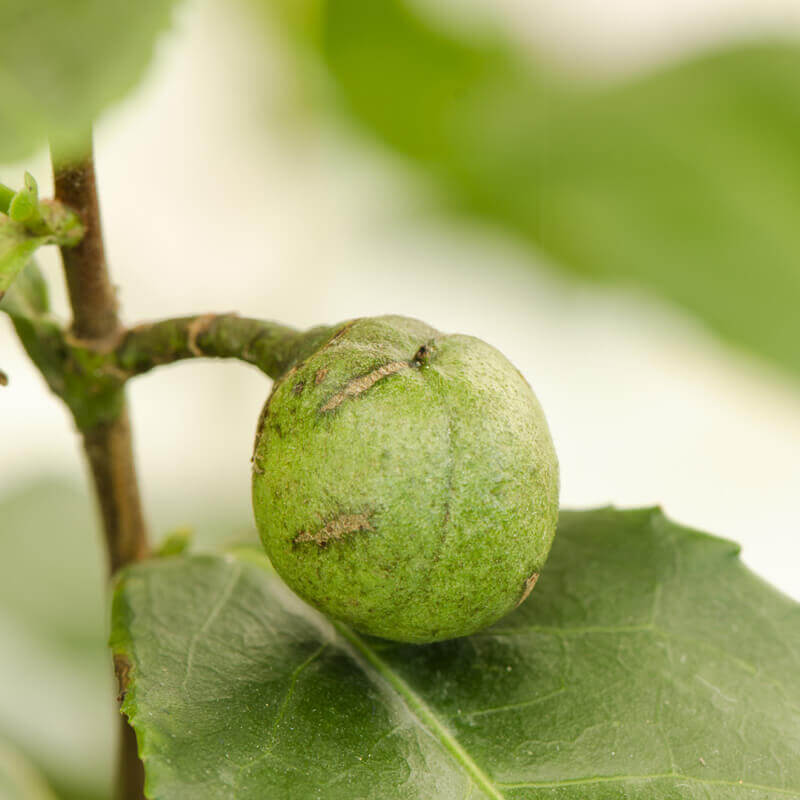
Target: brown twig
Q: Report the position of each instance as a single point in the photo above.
(89, 364)
(91, 293)
(108, 444)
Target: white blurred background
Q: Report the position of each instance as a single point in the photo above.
(215, 201)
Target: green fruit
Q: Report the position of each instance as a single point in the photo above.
(405, 482)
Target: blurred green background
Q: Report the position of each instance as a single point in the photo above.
(611, 195)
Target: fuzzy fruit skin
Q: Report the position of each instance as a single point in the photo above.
(409, 493)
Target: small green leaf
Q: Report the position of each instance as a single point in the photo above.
(21, 207)
(25, 202)
(31, 186)
(24, 207)
(30, 296)
(649, 664)
(175, 543)
(6, 196)
(62, 63)
(16, 248)
(29, 224)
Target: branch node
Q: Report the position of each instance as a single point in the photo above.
(196, 329)
(104, 345)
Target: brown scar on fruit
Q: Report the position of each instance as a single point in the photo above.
(528, 588)
(336, 529)
(320, 376)
(292, 371)
(298, 387)
(262, 418)
(341, 332)
(358, 385)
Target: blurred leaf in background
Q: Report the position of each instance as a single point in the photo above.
(684, 181)
(18, 779)
(62, 63)
(56, 703)
(57, 688)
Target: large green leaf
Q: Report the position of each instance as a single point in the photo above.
(648, 663)
(685, 181)
(62, 62)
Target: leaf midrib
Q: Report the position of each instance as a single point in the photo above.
(428, 718)
(422, 711)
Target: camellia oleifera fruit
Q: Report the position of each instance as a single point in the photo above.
(405, 481)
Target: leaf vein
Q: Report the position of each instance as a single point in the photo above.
(422, 711)
(281, 711)
(223, 598)
(655, 776)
